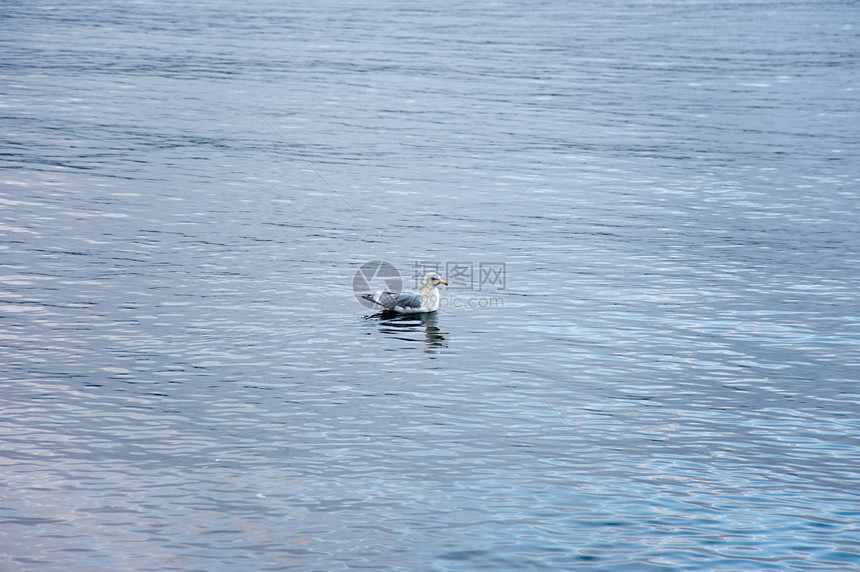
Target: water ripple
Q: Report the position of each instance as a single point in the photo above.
(666, 381)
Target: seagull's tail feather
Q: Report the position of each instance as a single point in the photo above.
(369, 297)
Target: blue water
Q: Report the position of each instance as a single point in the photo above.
(648, 357)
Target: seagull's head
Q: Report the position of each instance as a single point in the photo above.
(432, 280)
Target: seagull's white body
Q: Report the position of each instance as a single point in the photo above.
(409, 302)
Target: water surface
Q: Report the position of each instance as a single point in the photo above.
(666, 379)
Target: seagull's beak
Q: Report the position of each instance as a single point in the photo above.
(443, 282)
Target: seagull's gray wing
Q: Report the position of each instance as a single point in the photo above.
(408, 300)
(392, 300)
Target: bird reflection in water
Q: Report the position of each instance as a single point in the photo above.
(405, 327)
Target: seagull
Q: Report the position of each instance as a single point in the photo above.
(409, 302)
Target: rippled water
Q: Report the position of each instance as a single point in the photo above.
(665, 379)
